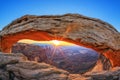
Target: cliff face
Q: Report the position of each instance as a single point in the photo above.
(75, 28)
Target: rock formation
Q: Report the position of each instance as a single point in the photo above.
(17, 67)
(85, 31)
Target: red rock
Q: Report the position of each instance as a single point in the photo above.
(75, 28)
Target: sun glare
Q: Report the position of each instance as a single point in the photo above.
(52, 42)
(56, 42)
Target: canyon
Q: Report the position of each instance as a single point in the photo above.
(73, 58)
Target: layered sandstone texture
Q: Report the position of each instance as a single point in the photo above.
(85, 31)
(17, 67)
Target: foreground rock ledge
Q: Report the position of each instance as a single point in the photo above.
(17, 67)
(89, 32)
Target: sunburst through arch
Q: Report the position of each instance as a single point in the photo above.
(62, 54)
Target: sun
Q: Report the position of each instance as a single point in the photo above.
(56, 42)
(52, 42)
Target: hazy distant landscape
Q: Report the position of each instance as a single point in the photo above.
(75, 59)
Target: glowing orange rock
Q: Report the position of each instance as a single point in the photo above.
(85, 31)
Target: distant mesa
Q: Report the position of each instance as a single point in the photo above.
(64, 55)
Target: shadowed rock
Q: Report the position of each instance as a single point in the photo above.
(29, 70)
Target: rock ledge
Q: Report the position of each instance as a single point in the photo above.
(16, 67)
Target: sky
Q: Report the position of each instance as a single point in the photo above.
(106, 10)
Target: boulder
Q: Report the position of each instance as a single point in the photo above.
(10, 59)
(37, 71)
(6, 59)
(16, 67)
(113, 74)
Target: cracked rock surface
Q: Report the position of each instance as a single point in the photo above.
(19, 68)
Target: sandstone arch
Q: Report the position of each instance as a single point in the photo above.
(75, 28)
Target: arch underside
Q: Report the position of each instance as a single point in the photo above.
(8, 40)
